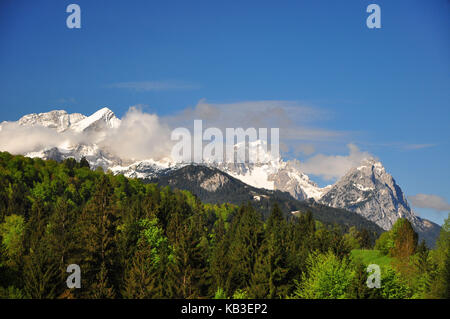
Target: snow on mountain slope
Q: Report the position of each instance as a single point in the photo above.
(291, 179)
(146, 169)
(372, 192)
(271, 172)
(58, 119)
(367, 189)
(73, 128)
(256, 175)
(93, 154)
(266, 171)
(103, 118)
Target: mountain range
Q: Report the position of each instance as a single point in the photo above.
(367, 190)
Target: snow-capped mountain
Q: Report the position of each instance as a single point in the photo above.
(77, 135)
(275, 175)
(146, 169)
(367, 189)
(268, 172)
(103, 118)
(61, 121)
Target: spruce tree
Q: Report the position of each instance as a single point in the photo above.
(272, 262)
(189, 273)
(40, 271)
(99, 269)
(139, 279)
(220, 265)
(246, 236)
(260, 281)
(61, 232)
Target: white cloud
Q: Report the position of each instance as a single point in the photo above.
(139, 136)
(430, 201)
(18, 139)
(142, 135)
(292, 118)
(155, 86)
(330, 167)
(417, 146)
(307, 149)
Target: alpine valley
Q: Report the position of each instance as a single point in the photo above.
(367, 196)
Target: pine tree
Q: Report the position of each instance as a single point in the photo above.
(40, 274)
(364, 239)
(260, 281)
(99, 233)
(299, 241)
(102, 288)
(271, 267)
(358, 288)
(84, 163)
(61, 234)
(139, 281)
(40, 271)
(422, 257)
(246, 236)
(189, 275)
(220, 265)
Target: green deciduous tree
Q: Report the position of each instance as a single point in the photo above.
(327, 277)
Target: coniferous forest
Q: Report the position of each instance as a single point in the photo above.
(137, 240)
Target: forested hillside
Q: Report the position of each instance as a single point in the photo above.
(214, 186)
(137, 240)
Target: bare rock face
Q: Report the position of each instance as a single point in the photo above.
(373, 193)
(289, 178)
(370, 191)
(214, 182)
(367, 189)
(284, 182)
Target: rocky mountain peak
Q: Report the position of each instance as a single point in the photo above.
(369, 190)
(102, 119)
(59, 120)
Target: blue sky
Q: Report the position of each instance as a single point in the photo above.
(387, 88)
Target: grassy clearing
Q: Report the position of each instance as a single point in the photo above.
(369, 256)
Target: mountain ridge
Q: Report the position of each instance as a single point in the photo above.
(367, 190)
(214, 186)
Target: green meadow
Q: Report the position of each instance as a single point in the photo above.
(371, 256)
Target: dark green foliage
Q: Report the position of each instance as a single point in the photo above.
(98, 225)
(236, 192)
(270, 276)
(405, 239)
(138, 240)
(359, 289)
(139, 278)
(220, 265)
(245, 237)
(400, 241)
